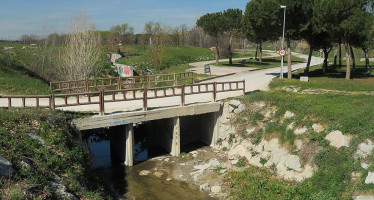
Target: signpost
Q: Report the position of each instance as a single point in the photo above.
(207, 69)
(282, 52)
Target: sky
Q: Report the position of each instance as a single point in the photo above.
(18, 17)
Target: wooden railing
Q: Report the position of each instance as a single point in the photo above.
(144, 94)
(90, 85)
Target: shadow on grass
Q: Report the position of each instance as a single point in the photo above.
(16, 68)
(337, 72)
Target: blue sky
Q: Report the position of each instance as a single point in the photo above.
(19, 17)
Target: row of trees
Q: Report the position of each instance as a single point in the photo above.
(324, 24)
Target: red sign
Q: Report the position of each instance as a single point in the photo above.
(282, 52)
(321, 50)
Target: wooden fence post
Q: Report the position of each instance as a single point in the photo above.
(175, 79)
(52, 104)
(87, 87)
(145, 99)
(243, 87)
(214, 91)
(51, 86)
(149, 80)
(119, 83)
(101, 103)
(9, 102)
(193, 78)
(183, 95)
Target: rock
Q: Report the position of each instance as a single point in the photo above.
(231, 109)
(288, 115)
(166, 159)
(158, 174)
(250, 130)
(234, 103)
(6, 167)
(224, 120)
(365, 165)
(237, 111)
(290, 126)
(364, 149)
(298, 144)
(225, 144)
(144, 173)
(318, 128)
(61, 191)
(233, 162)
(36, 137)
(214, 162)
(236, 152)
(363, 198)
(337, 139)
(272, 145)
(293, 162)
(300, 131)
(222, 171)
(241, 107)
(169, 179)
(204, 187)
(215, 189)
(370, 178)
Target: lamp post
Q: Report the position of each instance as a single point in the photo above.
(284, 26)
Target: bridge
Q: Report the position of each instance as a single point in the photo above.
(172, 111)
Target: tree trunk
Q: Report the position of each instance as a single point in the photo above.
(367, 61)
(217, 51)
(325, 61)
(306, 71)
(230, 50)
(260, 48)
(347, 56)
(256, 51)
(353, 59)
(335, 56)
(289, 62)
(340, 54)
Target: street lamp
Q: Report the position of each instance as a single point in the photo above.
(284, 26)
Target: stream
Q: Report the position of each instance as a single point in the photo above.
(124, 182)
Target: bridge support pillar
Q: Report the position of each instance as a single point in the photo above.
(215, 125)
(129, 159)
(176, 138)
(122, 143)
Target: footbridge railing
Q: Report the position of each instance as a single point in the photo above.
(102, 98)
(118, 83)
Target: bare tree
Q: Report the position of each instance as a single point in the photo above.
(81, 53)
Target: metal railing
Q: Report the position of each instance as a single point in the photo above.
(144, 94)
(90, 85)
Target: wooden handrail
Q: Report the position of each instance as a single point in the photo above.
(143, 94)
(118, 82)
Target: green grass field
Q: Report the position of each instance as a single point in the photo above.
(334, 79)
(17, 80)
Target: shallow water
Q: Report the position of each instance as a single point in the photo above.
(125, 182)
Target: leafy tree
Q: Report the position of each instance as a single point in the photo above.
(123, 29)
(261, 21)
(233, 26)
(212, 24)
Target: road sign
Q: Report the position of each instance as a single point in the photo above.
(207, 69)
(321, 50)
(282, 52)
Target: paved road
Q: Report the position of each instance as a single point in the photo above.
(199, 66)
(255, 80)
(260, 79)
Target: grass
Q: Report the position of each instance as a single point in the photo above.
(266, 62)
(333, 79)
(172, 56)
(61, 154)
(16, 80)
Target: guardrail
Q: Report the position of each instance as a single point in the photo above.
(103, 97)
(89, 85)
